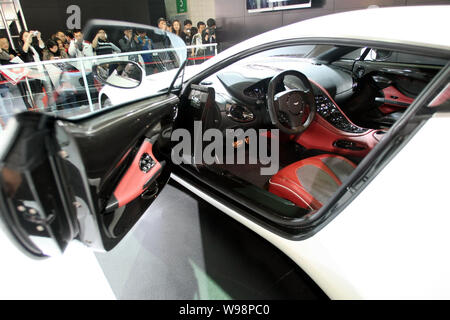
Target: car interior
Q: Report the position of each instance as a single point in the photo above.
(331, 104)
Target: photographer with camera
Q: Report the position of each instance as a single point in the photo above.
(130, 41)
(78, 47)
(31, 49)
(31, 46)
(102, 45)
(186, 34)
(197, 41)
(209, 36)
(146, 44)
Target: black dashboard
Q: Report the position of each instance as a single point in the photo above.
(240, 92)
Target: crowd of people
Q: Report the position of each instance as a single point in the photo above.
(203, 33)
(72, 44)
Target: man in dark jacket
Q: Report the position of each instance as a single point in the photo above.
(6, 55)
(6, 52)
(209, 36)
(130, 43)
(31, 46)
(102, 45)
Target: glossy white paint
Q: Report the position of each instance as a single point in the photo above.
(392, 241)
(76, 275)
(416, 25)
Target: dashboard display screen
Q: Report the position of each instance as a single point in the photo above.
(272, 5)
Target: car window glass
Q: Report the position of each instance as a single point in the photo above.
(399, 57)
(415, 59)
(354, 55)
(62, 81)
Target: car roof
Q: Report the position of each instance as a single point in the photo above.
(425, 26)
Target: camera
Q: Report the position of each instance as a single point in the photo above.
(35, 33)
(211, 31)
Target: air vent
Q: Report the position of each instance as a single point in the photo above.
(240, 113)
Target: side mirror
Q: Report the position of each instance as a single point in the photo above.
(120, 74)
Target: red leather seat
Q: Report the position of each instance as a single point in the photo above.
(309, 183)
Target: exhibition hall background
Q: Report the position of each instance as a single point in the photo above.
(234, 22)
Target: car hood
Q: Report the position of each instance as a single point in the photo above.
(425, 26)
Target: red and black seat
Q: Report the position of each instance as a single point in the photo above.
(309, 183)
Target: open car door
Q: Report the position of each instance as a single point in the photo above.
(89, 178)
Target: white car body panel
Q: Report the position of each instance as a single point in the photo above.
(407, 25)
(392, 241)
(149, 86)
(74, 275)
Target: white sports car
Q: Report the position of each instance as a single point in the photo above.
(355, 107)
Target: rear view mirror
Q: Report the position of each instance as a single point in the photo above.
(121, 74)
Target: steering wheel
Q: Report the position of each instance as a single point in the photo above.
(290, 98)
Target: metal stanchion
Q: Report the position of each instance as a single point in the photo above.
(86, 85)
(29, 92)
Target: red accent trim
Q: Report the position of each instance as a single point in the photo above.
(132, 184)
(388, 108)
(322, 135)
(45, 97)
(286, 184)
(393, 94)
(98, 85)
(201, 58)
(123, 159)
(12, 81)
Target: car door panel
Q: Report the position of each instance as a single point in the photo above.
(141, 174)
(393, 100)
(399, 84)
(384, 90)
(109, 146)
(59, 175)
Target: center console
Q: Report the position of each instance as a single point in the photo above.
(331, 131)
(328, 110)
